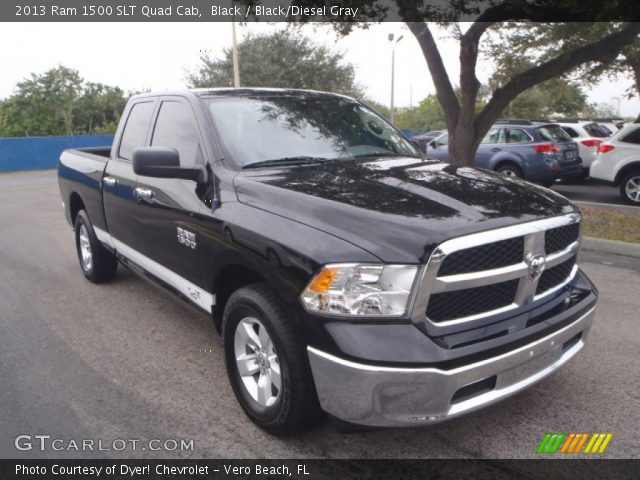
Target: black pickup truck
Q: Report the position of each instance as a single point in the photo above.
(345, 272)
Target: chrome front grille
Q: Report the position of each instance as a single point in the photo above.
(483, 257)
(471, 301)
(470, 278)
(557, 239)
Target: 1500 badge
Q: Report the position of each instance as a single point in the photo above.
(186, 238)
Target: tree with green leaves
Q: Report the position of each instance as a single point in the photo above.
(43, 104)
(427, 115)
(60, 102)
(555, 97)
(542, 37)
(281, 59)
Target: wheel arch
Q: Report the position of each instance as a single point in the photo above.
(227, 280)
(635, 165)
(502, 162)
(75, 205)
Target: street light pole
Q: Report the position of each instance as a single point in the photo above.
(393, 72)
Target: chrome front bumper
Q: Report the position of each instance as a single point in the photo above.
(403, 397)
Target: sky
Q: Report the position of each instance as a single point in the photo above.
(134, 56)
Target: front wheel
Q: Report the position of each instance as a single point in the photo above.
(266, 362)
(630, 188)
(509, 170)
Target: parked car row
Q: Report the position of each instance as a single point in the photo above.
(543, 152)
(588, 136)
(538, 152)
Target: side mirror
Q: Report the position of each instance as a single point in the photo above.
(421, 150)
(433, 144)
(163, 162)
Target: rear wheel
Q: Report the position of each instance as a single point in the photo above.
(267, 363)
(510, 170)
(630, 187)
(97, 263)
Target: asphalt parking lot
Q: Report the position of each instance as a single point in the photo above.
(591, 192)
(124, 361)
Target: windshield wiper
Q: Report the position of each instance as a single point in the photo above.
(300, 160)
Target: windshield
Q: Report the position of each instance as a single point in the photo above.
(554, 133)
(263, 129)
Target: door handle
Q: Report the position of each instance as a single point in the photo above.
(496, 149)
(144, 192)
(110, 181)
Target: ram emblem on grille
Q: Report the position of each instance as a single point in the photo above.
(535, 264)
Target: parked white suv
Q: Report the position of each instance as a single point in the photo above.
(588, 136)
(618, 162)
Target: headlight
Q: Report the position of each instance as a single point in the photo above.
(362, 290)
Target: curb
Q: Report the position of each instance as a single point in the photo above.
(612, 207)
(611, 246)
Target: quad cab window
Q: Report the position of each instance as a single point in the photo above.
(176, 127)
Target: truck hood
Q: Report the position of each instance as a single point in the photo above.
(397, 209)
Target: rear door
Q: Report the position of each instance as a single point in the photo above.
(119, 180)
(166, 208)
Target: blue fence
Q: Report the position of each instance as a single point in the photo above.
(38, 153)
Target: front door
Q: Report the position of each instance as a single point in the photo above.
(438, 148)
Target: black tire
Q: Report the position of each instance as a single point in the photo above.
(510, 170)
(296, 407)
(104, 264)
(631, 180)
(585, 173)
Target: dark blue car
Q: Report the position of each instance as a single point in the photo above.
(538, 152)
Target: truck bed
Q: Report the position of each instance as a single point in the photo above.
(80, 170)
(98, 153)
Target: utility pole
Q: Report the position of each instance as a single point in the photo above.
(234, 55)
(617, 99)
(393, 72)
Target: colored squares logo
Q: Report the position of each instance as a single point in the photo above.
(573, 443)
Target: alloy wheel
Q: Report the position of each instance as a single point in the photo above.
(632, 189)
(85, 248)
(257, 361)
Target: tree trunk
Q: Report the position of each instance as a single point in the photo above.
(462, 144)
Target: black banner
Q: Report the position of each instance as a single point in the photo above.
(195, 469)
(314, 10)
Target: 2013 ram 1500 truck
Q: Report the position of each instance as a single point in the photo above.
(345, 272)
